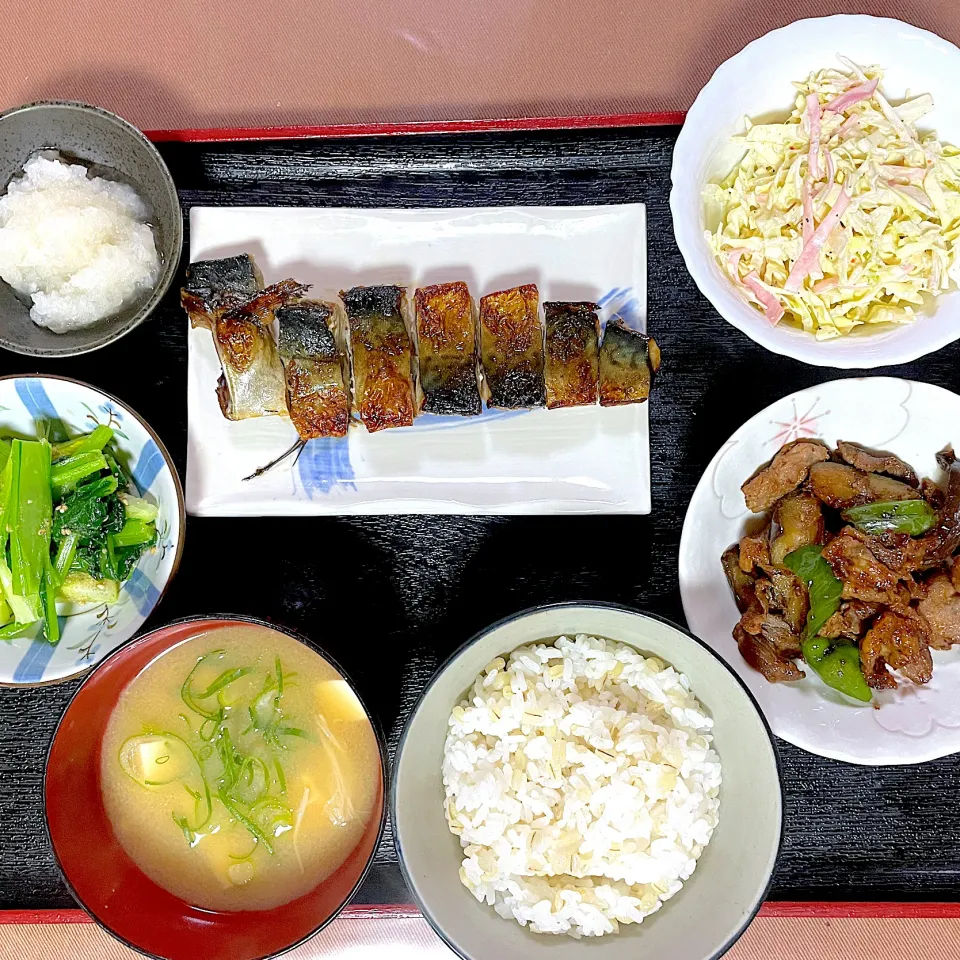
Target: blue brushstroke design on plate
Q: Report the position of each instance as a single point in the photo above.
(622, 303)
(323, 464)
(436, 421)
(39, 405)
(149, 464)
(34, 662)
(142, 592)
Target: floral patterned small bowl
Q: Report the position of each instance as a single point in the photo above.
(64, 407)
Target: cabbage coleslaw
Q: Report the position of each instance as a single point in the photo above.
(843, 214)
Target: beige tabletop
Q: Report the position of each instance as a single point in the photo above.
(169, 64)
(409, 938)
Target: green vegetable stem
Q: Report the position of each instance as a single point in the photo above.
(896, 516)
(29, 521)
(88, 443)
(134, 533)
(66, 474)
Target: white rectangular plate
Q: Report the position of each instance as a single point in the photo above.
(582, 460)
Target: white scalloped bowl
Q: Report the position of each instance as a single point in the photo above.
(757, 83)
(911, 724)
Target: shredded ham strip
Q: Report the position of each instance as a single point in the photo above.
(813, 117)
(848, 127)
(733, 258)
(882, 101)
(863, 92)
(822, 286)
(807, 261)
(772, 307)
(898, 172)
(831, 167)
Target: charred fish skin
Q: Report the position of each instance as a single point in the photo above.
(252, 383)
(215, 286)
(511, 348)
(315, 368)
(382, 357)
(628, 362)
(446, 325)
(572, 370)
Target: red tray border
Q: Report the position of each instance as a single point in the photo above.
(586, 122)
(782, 909)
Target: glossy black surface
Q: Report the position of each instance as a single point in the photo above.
(391, 597)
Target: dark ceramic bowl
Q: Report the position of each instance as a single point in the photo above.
(110, 886)
(89, 134)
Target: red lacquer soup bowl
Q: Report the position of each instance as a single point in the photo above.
(107, 883)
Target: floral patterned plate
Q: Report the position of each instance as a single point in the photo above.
(914, 420)
(63, 407)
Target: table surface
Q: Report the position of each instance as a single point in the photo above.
(414, 588)
(224, 64)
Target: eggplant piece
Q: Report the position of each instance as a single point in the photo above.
(446, 323)
(629, 361)
(877, 461)
(316, 368)
(788, 594)
(215, 286)
(798, 518)
(784, 639)
(762, 655)
(511, 348)
(572, 368)
(932, 493)
(383, 359)
(755, 550)
(252, 383)
(944, 539)
(783, 474)
(742, 584)
(841, 486)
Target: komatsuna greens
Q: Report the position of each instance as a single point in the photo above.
(69, 530)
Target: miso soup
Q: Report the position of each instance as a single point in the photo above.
(239, 769)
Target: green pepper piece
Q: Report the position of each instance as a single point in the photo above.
(895, 516)
(823, 588)
(838, 667)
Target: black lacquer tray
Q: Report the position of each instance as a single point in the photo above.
(413, 588)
